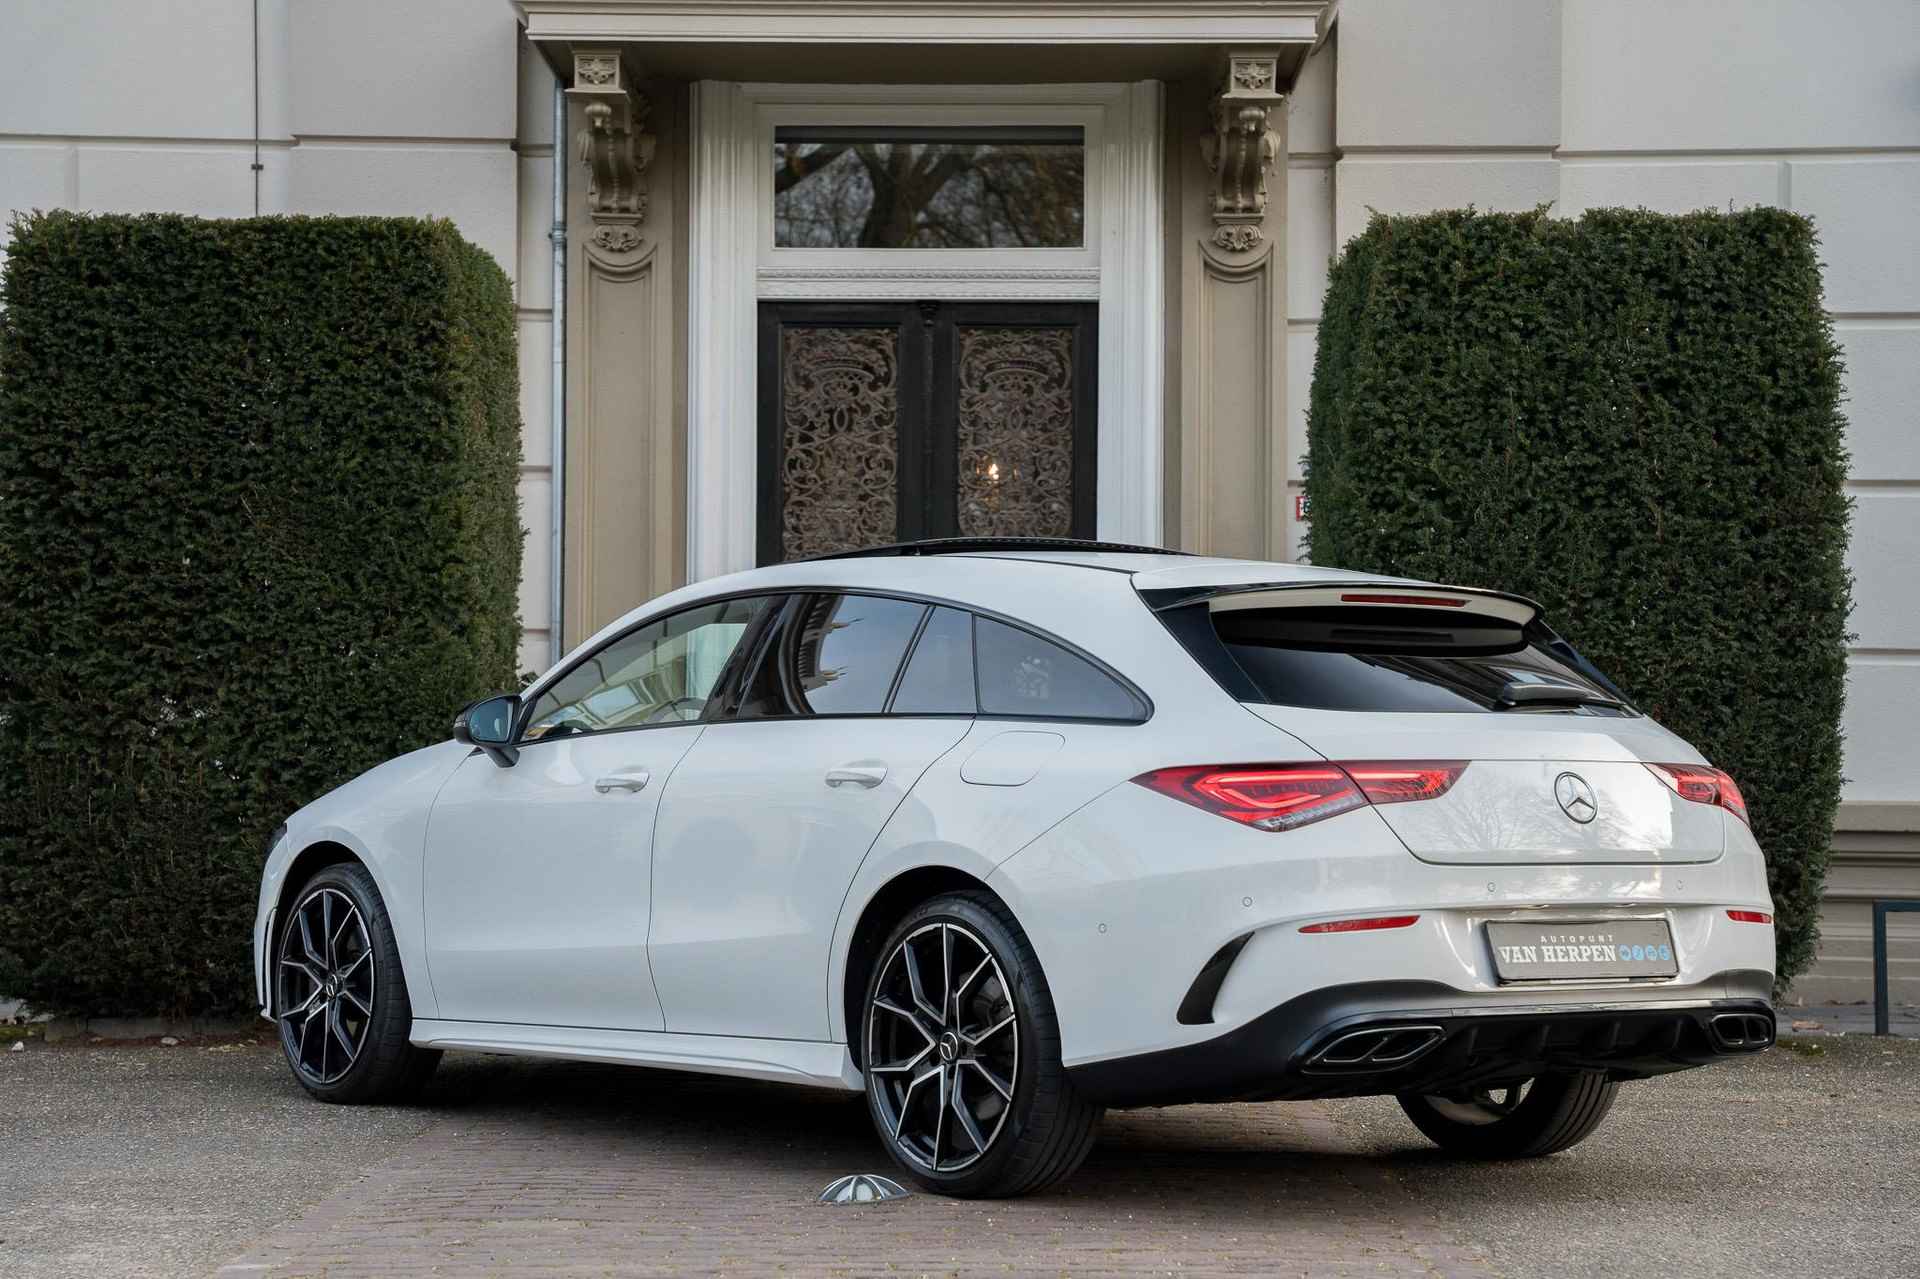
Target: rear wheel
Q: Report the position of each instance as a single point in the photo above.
(1519, 1121)
(339, 995)
(962, 1055)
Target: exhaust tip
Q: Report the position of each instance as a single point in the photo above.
(1374, 1048)
(1743, 1032)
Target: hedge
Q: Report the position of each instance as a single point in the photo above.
(258, 532)
(1634, 419)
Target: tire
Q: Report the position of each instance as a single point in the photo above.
(353, 1008)
(1033, 1138)
(1554, 1112)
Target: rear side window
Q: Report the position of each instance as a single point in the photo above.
(939, 675)
(1022, 674)
(1387, 659)
(845, 650)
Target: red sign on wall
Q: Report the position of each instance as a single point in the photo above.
(1300, 506)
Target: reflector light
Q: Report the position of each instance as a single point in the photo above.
(1287, 796)
(1361, 925)
(1749, 917)
(1702, 785)
(1435, 601)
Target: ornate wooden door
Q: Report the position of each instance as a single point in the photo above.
(884, 422)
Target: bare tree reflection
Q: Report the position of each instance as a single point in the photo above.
(928, 195)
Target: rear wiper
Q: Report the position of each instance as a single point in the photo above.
(1522, 693)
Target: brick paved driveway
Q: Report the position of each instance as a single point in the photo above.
(593, 1171)
(1793, 1160)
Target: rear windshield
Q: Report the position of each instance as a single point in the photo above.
(1345, 658)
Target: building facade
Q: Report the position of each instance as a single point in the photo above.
(799, 274)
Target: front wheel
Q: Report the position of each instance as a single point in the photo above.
(962, 1055)
(339, 995)
(1519, 1121)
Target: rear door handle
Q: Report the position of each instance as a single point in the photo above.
(627, 779)
(862, 775)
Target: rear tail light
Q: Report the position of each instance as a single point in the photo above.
(1702, 785)
(1286, 796)
(1749, 917)
(1361, 925)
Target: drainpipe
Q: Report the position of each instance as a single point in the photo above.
(256, 108)
(557, 497)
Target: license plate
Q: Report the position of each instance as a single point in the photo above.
(1562, 952)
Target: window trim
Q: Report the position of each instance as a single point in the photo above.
(729, 280)
(732, 680)
(530, 696)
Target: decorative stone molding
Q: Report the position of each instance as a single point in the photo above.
(1238, 237)
(1241, 146)
(614, 146)
(1255, 75)
(615, 238)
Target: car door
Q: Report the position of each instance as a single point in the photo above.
(769, 816)
(537, 875)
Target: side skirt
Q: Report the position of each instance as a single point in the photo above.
(786, 1061)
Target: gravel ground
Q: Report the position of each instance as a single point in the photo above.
(122, 1160)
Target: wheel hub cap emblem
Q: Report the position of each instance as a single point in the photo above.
(949, 1047)
(1575, 797)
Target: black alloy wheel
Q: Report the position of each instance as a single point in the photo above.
(945, 1046)
(962, 1055)
(327, 985)
(340, 995)
(1521, 1120)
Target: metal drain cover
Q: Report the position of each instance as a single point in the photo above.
(863, 1188)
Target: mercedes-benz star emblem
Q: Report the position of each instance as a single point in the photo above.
(1576, 797)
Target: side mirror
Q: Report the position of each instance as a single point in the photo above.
(488, 724)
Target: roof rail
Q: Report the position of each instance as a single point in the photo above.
(972, 545)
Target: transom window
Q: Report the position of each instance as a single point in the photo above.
(929, 187)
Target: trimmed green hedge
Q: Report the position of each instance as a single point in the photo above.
(258, 532)
(1634, 419)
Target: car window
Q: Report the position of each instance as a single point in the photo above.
(844, 651)
(939, 675)
(1023, 674)
(659, 674)
(832, 655)
(1359, 659)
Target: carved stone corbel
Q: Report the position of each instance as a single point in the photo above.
(614, 146)
(1241, 146)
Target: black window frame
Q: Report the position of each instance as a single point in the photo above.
(776, 602)
(1191, 623)
(926, 498)
(742, 672)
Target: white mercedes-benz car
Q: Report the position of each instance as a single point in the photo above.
(1005, 833)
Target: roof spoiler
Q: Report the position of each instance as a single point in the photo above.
(1517, 609)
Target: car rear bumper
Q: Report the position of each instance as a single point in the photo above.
(1137, 900)
(1394, 1037)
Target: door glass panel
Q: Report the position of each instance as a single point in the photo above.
(1022, 674)
(929, 188)
(888, 421)
(840, 419)
(659, 674)
(844, 651)
(939, 677)
(1016, 420)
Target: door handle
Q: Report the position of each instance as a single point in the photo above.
(866, 776)
(629, 779)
